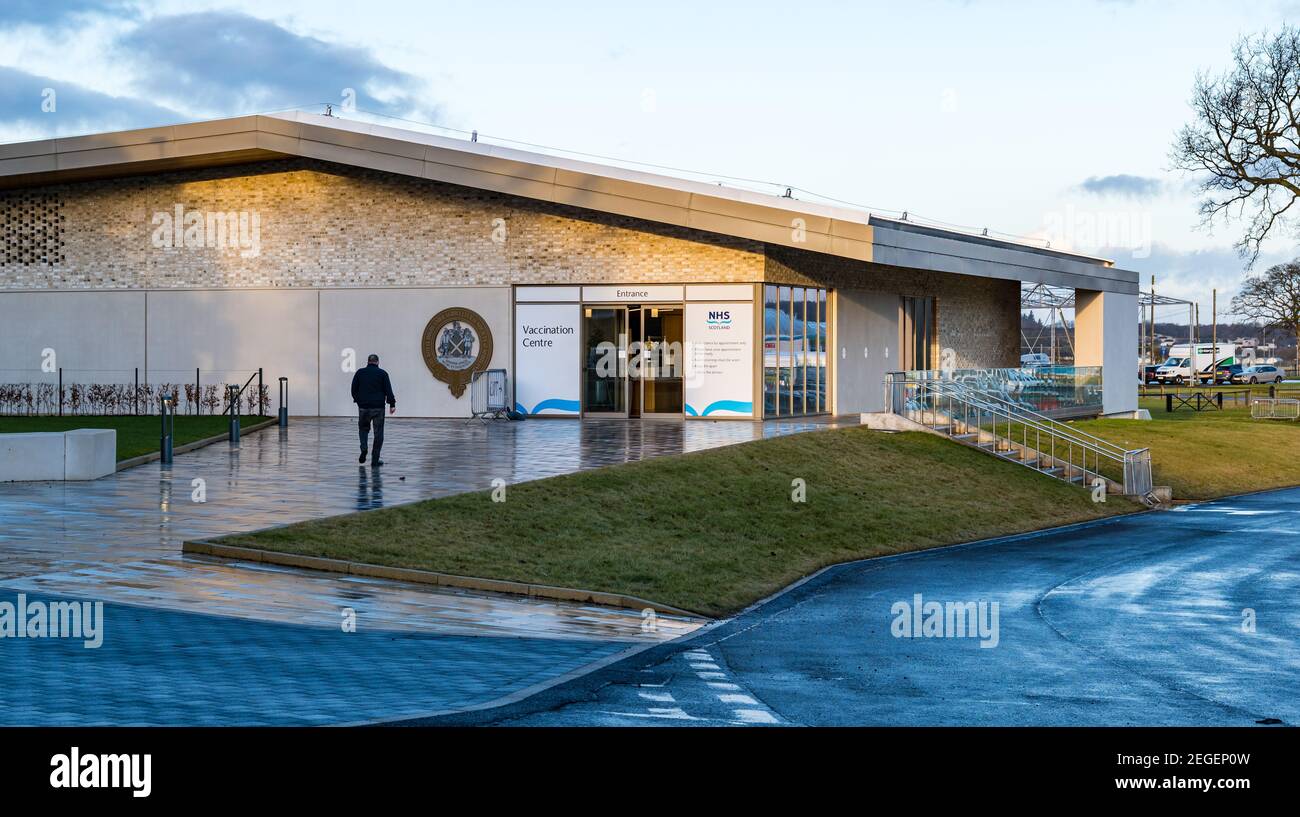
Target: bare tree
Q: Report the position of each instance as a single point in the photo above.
(1244, 145)
(1273, 298)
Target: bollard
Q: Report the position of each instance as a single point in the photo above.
(165, 441)
(284, 402)
(233, 391)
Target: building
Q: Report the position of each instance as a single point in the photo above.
(300, 243)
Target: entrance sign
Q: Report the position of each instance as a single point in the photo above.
(547, 357)
(456, 344)
(720, 359)
(633, 293)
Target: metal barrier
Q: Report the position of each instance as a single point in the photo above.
(1057, 449)
(1275, 408)
(487, 395)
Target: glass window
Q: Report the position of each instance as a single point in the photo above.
(795, 353)
(771, 337)
(798, 385)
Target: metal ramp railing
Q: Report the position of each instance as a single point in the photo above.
(1011, 431)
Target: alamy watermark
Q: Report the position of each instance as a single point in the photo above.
(953, 619)
(53, 619)
(202, 229)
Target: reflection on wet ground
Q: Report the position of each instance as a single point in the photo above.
(119, 538)
(201, 641)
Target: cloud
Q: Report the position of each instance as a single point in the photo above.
(58, 12)
(1193, 274)
(43, 106)
(228, 63)
(1135, 187)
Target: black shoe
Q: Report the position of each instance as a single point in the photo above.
(362, 459)
(376, 463)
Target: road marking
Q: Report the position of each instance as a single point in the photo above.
(668, 714)
(738, 699)
(723, 685)
(660, 697)
(754, 716)
(712, 676)
(708, 665)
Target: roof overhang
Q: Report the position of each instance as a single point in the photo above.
(837, 231)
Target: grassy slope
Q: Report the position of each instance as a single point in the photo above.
(1206, 454)
(135, 435)
(711, 531)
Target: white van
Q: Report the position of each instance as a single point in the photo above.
(1195, 362)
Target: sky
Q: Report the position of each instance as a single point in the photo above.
(1048, 121)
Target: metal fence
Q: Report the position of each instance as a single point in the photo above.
(1275, 408)
(122, 392)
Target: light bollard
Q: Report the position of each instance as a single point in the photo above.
(167, 412)
(284, 402)
(233, 391)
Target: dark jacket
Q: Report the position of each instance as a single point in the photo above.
(370, 388)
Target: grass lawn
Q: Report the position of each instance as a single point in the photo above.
(135, 435)
(1208, 454)
(711, 531)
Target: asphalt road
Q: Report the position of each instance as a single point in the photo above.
(1143, 620)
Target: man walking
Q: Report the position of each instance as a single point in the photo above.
(370, 390)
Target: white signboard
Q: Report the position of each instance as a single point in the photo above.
(547, 338)
(720, 359)
(633, 293)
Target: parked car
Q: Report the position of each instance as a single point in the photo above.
(1258, 374)
(1224, 374)
(1035, 359)
(1149, 374)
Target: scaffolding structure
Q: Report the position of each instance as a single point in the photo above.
(1059, 299)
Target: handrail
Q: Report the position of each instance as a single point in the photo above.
(1024, 424)
(1045, 420)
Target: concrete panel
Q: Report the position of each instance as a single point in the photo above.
(390, 323)
(230, 333)
(1106, 335)
(866, 331)
(96, 336)
(89, 453)
(31, 457)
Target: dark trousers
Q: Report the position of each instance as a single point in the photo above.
(365, 417)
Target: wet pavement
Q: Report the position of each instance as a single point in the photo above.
(1184, 617)
(187, 638)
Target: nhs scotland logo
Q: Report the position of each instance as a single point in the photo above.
(718, 318)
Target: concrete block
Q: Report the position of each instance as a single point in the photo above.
(89, 453)
(32, 456)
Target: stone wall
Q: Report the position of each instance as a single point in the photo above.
(323, 225)
(978, 318)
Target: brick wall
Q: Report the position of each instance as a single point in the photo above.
(328, 225)
(979, 318)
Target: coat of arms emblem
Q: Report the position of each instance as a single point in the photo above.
(456, 344)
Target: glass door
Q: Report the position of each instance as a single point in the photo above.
(662, 361)
(605, 361)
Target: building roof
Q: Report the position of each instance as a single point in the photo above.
(813, 226)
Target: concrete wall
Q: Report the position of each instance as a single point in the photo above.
(866, 333)
(96, 336)
(228, 334)
(1106, 335)
(390, 323)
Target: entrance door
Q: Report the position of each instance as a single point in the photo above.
(604, 361)
(662, 361)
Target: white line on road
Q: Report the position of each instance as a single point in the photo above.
(754, 716)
